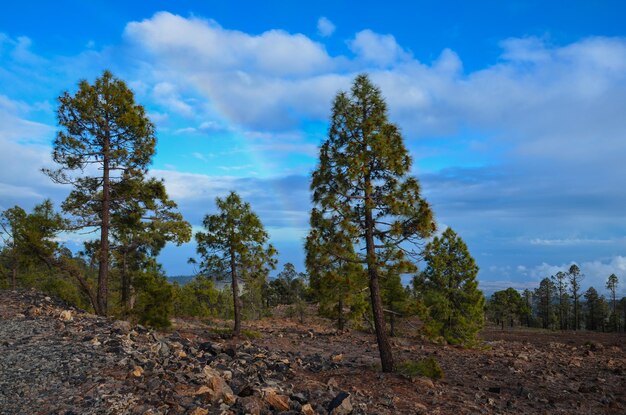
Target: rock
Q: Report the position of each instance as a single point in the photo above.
(337, 358)
(202, 390)
(121, 326)
(252, 405)
(426, 382)
(211, 348)
(137, 371)
(163, 348)
(276, 401)
(332, 383)
(299, 397)
(576, 362)
(217, 387)
(231, 352)
(33, 311)
(199, 411)
(308, 409)
(66, 315)
(340, 405)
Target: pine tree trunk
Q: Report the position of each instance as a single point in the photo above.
(125, 285)
(14, 276)
(235, 286)
(103, 266)
(384, 348)
(340, 322)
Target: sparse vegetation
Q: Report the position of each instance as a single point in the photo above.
(428, 368)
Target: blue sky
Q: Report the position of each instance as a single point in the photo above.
(513, 112)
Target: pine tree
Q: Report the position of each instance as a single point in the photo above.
(26, 235)
(449, 289)
(506, 306)
(336, 284)
(527, 307)
(611, 285)
(288, 286)
(622, 306)
(575, 278)
(560, 282)
(12, 223)
(363, 192)
(545, 297)
(592, 303)
(141, 225)
(395, 298)
(105, 139)
(235, 243)
(155, 296)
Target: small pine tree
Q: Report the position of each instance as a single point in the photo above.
(449, 289)
(593, 312)
(544, 295)
(396, 299)
(155, 298)
(506, 306)
(235, 243)
(611, 285)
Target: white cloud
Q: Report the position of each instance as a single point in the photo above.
(188, 186)
(325, 27)
(240, 167)
(206, 44)
(552, 115)
(268, 81)
(377, 49)
(538, 99)
(569, 241)
(595, 273)
(166, 94)
(15, 126)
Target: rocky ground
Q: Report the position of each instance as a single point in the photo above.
(57, 360)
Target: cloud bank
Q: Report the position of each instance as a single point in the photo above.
(523, 157)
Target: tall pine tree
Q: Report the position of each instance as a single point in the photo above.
(611, 285)
(575, 279)
(364, 196)
(105, 139)
(545, 294)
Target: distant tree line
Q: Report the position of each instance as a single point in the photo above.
(560, 304)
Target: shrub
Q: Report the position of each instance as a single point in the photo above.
(426, 367)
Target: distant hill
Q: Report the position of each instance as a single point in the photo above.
(181, 279)
(185, 279)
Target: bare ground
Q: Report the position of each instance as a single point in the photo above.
(519, 371)
(59, 361)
